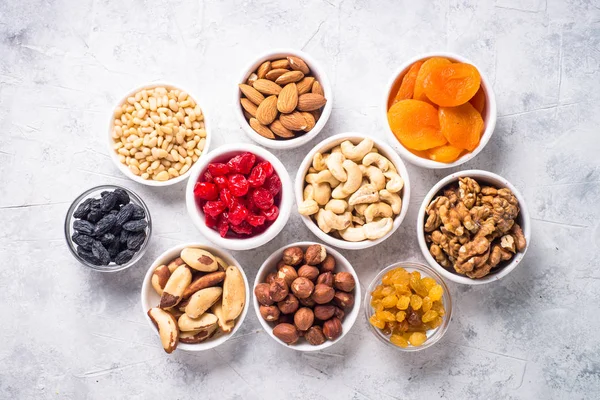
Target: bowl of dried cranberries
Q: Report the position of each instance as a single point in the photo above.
(239, 196)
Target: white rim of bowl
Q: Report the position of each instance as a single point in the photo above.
(285, 205)
(349, 318)
(385, 150)
(494, 179)
(147, 288)
(317, 70)
(489, 118)
(114, 156)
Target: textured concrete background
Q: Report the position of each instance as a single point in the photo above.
(71, 333)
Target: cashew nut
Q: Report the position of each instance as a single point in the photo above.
(322, 193)
(329, 221)
(308, 207)
(356, 153)
(319, 160)
(360, 208)
(337, 206)
(322, 177)
(336, 149)
(309, 192)
(358, 220)
(354, 234)
(334, 164)
(375, 176)
(395, 182)
(380, 161)
(365, 194)
(378, 210)
(377, 229)
(311, 170)
(353, 182)
(392, 199)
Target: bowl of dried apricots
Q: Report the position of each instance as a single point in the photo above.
(441, 110)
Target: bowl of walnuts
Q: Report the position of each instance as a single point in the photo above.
(304, 296)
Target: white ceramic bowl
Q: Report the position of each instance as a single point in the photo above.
(341, 265)
(523, 220)
(317, 71)
(197, 215)
(327, 145)
(123, 168)
(489, 115)
(151, 299)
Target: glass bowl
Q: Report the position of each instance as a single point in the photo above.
(433, 335)
(95, 193)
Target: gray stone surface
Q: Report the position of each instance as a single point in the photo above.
(71, 333)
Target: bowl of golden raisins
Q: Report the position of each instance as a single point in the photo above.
(408, 306)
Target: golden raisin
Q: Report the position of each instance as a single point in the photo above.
(400, 316)
(416, 302)
(435, 322)
(417, 338)
(429, 316)
(385, 316)
(428, 282)
(389, 301)
(417, 286)
(376, 322)
(399, 340)
(387, 290)
(439, 307)
(403, 302)
(436, 292)
(427, 303)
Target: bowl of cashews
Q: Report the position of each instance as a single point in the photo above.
(352, 191)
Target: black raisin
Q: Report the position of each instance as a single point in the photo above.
(135, 226)
(100, 252)
(116, 230)
(124, 236)
(125, 214)
(105, 224)
(88, 256)
(84, 227)
(104, 193)
(84, 241)
(113, 249)
(138, 212)
(83, 209)
(107, 239)
(124, 256)
(122, 195)
(114, 212)
(95, 215)
(108, 202)
(96, 204)
(134, 241)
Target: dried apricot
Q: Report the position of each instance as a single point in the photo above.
(416, 124)
(461, 125)
(478, 100)
(446, 153)
(452, 85)
(428, 65)
(407, 87)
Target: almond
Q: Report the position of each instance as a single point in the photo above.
(311, 101)
(294, 121)
(261, 129)
(298, 64)
(280, 130)
(251, 94)
(288, 98)
(267, 110)
(263, 69)
(275, 73)
(310, 120)
(317, 88)
(283, 63)
(267, 87)
(288, 77)
(251, 79)
(316, 114)
(247, 115)
(305, 84)
(249, 106)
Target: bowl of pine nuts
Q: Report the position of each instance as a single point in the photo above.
(156, 133)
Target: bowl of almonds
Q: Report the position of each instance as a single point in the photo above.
(156, 133)
(283, 99)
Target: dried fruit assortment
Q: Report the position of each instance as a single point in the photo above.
(436, 111)
(353, 192)
(407, 306)
(305, 296)
(281, 99)
(200, 295)
(109, 229)
(471, 229)
(239, 196)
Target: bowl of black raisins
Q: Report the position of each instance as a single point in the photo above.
(107, 228)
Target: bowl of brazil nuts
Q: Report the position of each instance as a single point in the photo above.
(156, 133)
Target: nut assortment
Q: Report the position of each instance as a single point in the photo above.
(281, 99)
(159, 133)
(471, 229)
(199, 296)
(353, 192)
(305, 297)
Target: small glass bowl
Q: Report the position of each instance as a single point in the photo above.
(433, 335)
(95, 193)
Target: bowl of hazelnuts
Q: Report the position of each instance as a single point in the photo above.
(304, 296)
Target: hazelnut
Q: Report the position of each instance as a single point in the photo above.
(271, 277)
(315, 254)
(302, 287)
(308, 271)
(324, 312)
(315, 336)
(280, 264)
(278, 290)
(344, 281)
(328, 264)
(287, 273)
(308, 302)
(322, 294)
(293, 255)
(332, 328)
(304, 318)
(287, 333)
(326, 278)
(343, 299)
(339, 313)
(285, 319)
(261, 291)
(269, 313)
(289, 305)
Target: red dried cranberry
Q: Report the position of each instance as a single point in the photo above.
(273, 184)
(238, 185)
(262, 198)
(226, 197)
(255, 220)
(209, 221)
(257, 176)
(242, 163)
(218, 169)
(214, 208)
(206, 191)
(242, 229)
(223, 225)
(237, 214)
(221, 182)
(206, 176)
(271, 214)
(268, 168)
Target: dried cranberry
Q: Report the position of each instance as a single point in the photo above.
(206, 176)
(214, 208)
(242, 229)
(257, 176)
(271, 214)
(267, 167)
(262, 198)
(237, 214)
(255, 220)
(221, 182)
(210, 221)
(242, 163)
(206, 191)
(218, 169)
(226, 197)
(273, 184)
(238, 185)
(223, 225)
